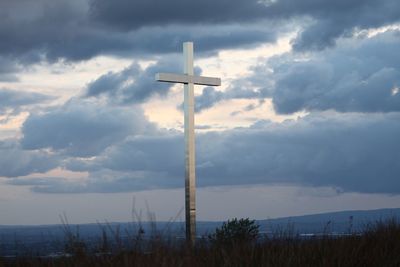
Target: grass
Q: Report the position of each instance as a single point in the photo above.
(377, 245)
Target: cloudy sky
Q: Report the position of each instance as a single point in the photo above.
(307, 119)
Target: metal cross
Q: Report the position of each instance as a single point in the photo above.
(189, 80)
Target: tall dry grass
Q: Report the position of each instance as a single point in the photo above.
(377, 245)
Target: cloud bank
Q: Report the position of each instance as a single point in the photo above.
(33, 31)
(82, 128)
(344, 78)
(353, 152)
(356, 76)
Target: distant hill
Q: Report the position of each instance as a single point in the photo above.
(340, 222)
(50, 238)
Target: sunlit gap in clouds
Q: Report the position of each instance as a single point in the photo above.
(395, 90)
(375, 31)
(230, 65)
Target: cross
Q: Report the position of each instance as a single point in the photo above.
(189, 80)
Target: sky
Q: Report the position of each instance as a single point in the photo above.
(307, 119)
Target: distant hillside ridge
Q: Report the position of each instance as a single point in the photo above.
(340, 221)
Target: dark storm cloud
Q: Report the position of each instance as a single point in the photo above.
(357, 77)
(159, 152)
(98, 182)
(85, 42)
(133, 84)
(8, 68)
(82, 128)
(33, 31)
(333, 19)
(29, 28)
(12, 100)
(154, 153)
(125, 14)
(353, 152)
(248, 108)
(14, 161)
(328, 19)
(122, 151)
(112, 82)
(209, 97)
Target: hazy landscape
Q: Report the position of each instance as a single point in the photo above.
(47, 240)
(214, 112)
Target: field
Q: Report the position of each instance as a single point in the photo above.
(377, 245)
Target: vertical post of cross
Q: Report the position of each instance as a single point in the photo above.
(189, 80)
(190, 163)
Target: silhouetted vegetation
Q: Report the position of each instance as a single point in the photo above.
(234, 232)
(236, 243)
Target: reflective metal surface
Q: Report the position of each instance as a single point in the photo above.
(189, 80)
(190, 161)
(179, 78)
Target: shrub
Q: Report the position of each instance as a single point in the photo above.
(243, 231)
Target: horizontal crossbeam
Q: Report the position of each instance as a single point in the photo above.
(186, 79)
